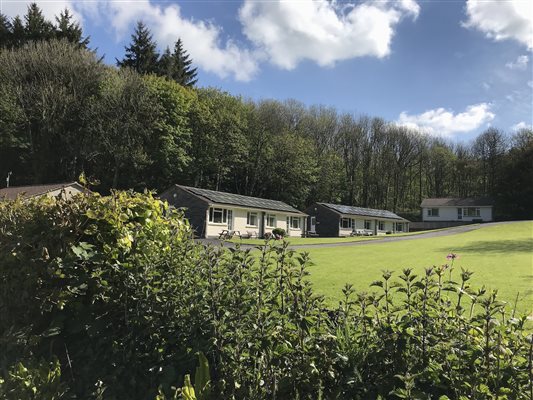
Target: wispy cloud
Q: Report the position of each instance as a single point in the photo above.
(520, 63)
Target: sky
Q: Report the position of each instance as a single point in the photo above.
(450, 68)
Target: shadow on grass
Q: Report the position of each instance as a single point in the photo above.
(500, 246)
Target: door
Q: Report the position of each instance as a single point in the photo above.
(312, 225)
(230, 220)
(459, 213)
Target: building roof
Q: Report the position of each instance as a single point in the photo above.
(454, 202)
(11, 193)
(240, 200)
(367, 212)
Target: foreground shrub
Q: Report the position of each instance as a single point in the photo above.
(110, 298)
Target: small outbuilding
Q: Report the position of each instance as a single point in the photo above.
(211, 213)
(471, 209)
(333, 220)
(67, 190)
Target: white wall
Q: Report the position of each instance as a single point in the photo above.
(240, 216)
(450, 214)
(360, 224)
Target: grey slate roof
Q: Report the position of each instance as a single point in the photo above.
(367, 212)
(240, 200)
(13, 192)
(454, 202)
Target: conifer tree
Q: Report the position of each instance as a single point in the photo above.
(141, 55)
(5, 31)
(18, 33)
(36, 26)
(70, 30)
(181, 70)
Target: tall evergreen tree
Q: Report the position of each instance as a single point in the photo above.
(36, 26)
(181, 66)
(18, 33)
(69, 29)
(141, 55)
(5, 31)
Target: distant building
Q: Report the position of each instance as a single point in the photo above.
(53, 189)
(333, 220)
(211, 212)
(473, 209)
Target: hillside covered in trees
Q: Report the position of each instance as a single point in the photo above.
(146, 125)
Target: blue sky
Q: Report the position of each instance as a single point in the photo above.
(450, 68)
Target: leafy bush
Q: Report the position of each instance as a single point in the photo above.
(279, 232)
(115, 299)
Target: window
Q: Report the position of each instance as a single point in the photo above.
(381, 225)
(346, 223)
(251, 219)
(471, 212)
(433, 212)
(218, 215)
(368, 224)
(399, 227)
(271, 220)
(295, 222)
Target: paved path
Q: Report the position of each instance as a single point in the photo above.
(431, 234)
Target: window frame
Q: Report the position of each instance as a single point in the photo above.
(268, 218)
(249, 216)
(344, 219)
(223, 215)
(432, 213)
(476, 213)
(381, 225)
(298, 219)
(368, 222)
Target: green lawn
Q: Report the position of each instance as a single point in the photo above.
(501, 257)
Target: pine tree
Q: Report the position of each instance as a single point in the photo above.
(36, 26)
(70, 30)
(141, 55)
(5, 31)
(165, 64)
(18, 33)
(181, 70)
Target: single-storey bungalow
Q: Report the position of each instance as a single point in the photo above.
(51, 190)
(337, 220)
(472, 209)
(212, 212)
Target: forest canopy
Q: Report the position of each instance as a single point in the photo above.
(64, 112)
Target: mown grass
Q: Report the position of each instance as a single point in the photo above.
(501, 258)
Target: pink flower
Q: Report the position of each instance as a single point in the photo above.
(452, 256)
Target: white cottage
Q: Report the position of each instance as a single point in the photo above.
(211, 213)
(472, 209)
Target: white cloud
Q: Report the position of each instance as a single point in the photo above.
(203, 40)
(283, 33)
(323, 31)
(520, 63)
(444, 122)
(501, 20)
(530, 84)
(521, 125)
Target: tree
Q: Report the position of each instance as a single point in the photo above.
(36, 26)
(122, 119)
(141, 56)
(70, 30)
(45, 89)
(177, 66)
(170, 137)
(5, 31)
(18, 33)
